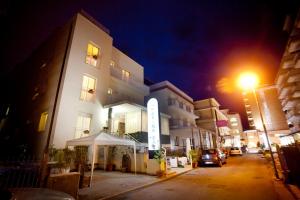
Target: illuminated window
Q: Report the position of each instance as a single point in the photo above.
(92, 55)
(43, 121)
(234, 124)
(125, 75)
(88, 88)
(233, 119)
(109, 91)
(112, 63)
(83, 125)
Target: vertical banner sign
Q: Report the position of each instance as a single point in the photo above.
(153, 125)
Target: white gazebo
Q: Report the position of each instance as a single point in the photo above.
(101, 139)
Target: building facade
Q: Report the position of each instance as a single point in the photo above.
(288, 76)
(211, 118)
(271, 110)
(236, 129)
(84, 85)
(179, 106)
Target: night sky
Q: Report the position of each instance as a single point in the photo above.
(199, 46)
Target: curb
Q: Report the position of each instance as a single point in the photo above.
(295, 194)
(145, 185)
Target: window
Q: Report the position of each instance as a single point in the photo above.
(234, 124)
(180, 105)
(92, 55)
(176, 141)
(125, 75)
(171, 101)
(188, 108)
(88, 88)
(184, 142)
(233, 119)
(43, 121)
(109, 91)
(83, 125)
(112, 63)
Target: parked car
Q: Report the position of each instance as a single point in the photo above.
(236, 151)
(213, 157)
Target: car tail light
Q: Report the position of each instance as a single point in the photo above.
(215, 156)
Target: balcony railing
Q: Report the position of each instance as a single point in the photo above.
(131, 79)
(288, 61)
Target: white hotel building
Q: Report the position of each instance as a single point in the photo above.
(87, 83)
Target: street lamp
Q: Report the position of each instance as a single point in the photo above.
(248, 82)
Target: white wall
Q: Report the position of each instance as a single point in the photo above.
(70, 104)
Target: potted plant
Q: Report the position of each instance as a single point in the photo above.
(81, 159)
(159, 156)
(69, 157)
(194, 157)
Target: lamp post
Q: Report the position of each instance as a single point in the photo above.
(249, 81)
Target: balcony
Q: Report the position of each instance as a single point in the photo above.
(282, 76)
(290, 102)
(294, 44)
(288, 61)
(130, 80)
(175, 108)
(285, 90)
(293, 115)
(294, 76)
(179, 123)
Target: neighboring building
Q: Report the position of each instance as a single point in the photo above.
(288, 76)
(236, 129)
(77, 83)
(179, 106)
(252, 139)
(271, 110)
(211, 118)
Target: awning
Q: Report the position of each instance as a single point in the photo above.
(101, 139)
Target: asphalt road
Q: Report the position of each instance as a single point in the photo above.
(243, 177)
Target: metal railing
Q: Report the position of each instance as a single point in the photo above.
(19, 172)
(131, 80)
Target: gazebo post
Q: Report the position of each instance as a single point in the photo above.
(93, 163)
(134, 153)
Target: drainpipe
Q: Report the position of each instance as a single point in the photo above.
(109, 125)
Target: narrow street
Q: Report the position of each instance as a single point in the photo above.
(243, 177)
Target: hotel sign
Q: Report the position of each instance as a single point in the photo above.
(153, 125)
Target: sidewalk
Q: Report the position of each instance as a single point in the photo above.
(283, 191)
(106, 185)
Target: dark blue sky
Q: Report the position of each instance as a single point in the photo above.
(193, 44)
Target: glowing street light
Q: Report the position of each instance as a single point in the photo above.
(249, 81)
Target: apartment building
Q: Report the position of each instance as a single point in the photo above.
(288, 76)
(211, 118)
(271, 110)
(236, 129)
(179, 106)
(77, 83)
